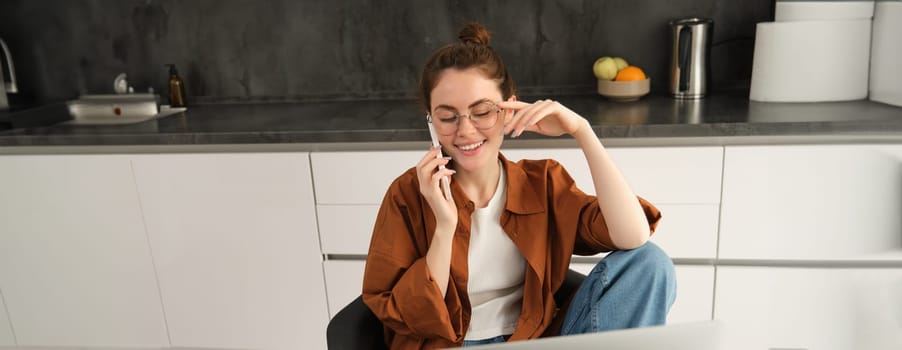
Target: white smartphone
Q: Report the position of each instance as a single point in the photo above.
(446, 182)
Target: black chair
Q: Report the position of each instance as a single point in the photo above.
(355, 327)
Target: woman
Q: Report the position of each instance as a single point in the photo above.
(483, 264)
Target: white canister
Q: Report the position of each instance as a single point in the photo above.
(823, 10)
(886, 53)
(811, 61)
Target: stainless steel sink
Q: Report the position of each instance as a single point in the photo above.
(116, 109)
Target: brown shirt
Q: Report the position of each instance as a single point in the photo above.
(546, 216)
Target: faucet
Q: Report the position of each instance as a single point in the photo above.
(7, 87)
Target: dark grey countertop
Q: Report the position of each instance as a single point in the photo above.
(716, 119)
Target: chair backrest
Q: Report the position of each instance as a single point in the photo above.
(355, 327)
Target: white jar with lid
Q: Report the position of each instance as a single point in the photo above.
(886, 49)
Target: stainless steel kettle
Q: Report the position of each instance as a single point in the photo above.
(689, 63)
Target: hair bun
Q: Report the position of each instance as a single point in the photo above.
(474, 33)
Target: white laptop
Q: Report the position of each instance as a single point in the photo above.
(705, 335)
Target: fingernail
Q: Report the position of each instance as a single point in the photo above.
(446, 158)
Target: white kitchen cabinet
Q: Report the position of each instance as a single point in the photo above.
(6, 332)
(810, 308)
(684, 182)
(75, 266)
(694, 296)
(236, 249)
(344, 282)
(812, 202)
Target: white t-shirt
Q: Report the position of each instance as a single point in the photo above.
(496, 272)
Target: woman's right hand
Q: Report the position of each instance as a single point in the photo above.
(429, 176)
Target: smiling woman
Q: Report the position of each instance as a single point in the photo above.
(483, 264)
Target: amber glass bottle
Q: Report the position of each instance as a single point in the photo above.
(176, 88)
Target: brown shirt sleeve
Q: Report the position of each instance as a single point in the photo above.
(572, 205)
(397, 285)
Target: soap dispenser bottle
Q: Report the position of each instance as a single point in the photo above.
(176, 88)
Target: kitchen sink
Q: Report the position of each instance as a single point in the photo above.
(116, 109)
(89, 110)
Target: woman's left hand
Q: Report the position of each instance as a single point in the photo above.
(546, 117)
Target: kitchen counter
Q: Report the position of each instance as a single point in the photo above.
(726, 118)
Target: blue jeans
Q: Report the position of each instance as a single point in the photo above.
(498, 339)
(626, 289)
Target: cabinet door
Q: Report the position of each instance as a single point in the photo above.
(75, 266)
(798, 308)
(235, 244)
(828, 202)
(6, 333)
(344, 282)
(695, 289)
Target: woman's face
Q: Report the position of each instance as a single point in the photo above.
(458, 90)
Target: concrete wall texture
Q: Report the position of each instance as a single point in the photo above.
(350, 49)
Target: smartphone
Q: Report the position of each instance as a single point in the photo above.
(445, 181)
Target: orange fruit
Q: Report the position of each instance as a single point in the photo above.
(630, 73)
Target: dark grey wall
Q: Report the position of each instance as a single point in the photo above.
(254, 49)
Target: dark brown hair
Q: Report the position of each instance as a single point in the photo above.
(472, 50)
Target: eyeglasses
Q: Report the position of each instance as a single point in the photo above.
(483, 116)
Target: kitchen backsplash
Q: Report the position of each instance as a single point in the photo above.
(277, 49)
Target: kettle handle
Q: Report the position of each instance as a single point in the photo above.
(685, 43)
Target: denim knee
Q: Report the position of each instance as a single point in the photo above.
(626, 289)
(648, 256)
(647, 260)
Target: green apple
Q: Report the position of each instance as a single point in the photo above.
(621, 63)
(605, 68)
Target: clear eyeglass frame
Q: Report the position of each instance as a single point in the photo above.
(483, 116)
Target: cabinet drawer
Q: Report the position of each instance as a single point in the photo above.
(673, 175)
(358, 177)
(695, 292)
(828, 202)
(684, 175)
(346, 229)
(796, 308)
(695, 288)
(686, 231)
(344, 282)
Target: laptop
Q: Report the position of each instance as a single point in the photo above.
(703, 335)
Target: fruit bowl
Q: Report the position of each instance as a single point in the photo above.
(624, 90)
